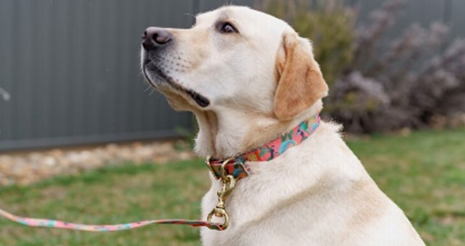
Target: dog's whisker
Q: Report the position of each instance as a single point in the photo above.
(148, 88)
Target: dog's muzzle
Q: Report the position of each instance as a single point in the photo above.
(155, 40)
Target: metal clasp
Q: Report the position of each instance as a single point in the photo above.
(228, 186)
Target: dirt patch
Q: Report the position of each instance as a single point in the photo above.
(28, 167)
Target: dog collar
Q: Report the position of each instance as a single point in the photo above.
(236, 166)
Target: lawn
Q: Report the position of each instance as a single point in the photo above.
(424, 173)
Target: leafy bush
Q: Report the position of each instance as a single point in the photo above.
(407, 83)
(329, 26)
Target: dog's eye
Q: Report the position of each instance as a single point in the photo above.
(227, 28)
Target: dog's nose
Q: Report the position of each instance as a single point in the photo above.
(155, 37)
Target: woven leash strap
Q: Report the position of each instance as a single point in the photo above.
(32, 222)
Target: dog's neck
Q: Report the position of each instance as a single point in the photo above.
(230, 134)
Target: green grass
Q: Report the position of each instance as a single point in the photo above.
(424, 173)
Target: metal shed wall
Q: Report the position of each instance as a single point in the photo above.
(72, 71)
(72, 67)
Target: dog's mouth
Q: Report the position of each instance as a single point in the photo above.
(149, 67)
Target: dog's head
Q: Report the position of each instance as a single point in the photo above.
(234, 57)
(245, 74)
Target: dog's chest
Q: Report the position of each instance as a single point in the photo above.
(264, 213)
(286, 223)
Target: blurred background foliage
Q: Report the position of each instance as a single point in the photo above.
(414, 80)
(328, 25)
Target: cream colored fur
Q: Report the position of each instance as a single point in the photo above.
(317, 193)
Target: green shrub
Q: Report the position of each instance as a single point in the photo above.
(330, 27)
(412, 79)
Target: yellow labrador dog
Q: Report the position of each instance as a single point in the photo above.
(250, 80)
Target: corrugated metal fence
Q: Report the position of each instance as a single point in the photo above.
(72, 70)
(450, 12)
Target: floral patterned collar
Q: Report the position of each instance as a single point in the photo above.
(236, 166)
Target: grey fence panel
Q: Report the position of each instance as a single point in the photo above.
(72, 69)
(418, 11)
(457, 17)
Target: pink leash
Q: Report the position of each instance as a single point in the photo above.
(104, 228)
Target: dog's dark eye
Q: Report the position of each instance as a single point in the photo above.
(227, 28)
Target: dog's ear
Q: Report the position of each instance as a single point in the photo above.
(300, 82)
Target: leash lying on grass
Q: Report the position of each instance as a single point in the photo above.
(228, 171)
